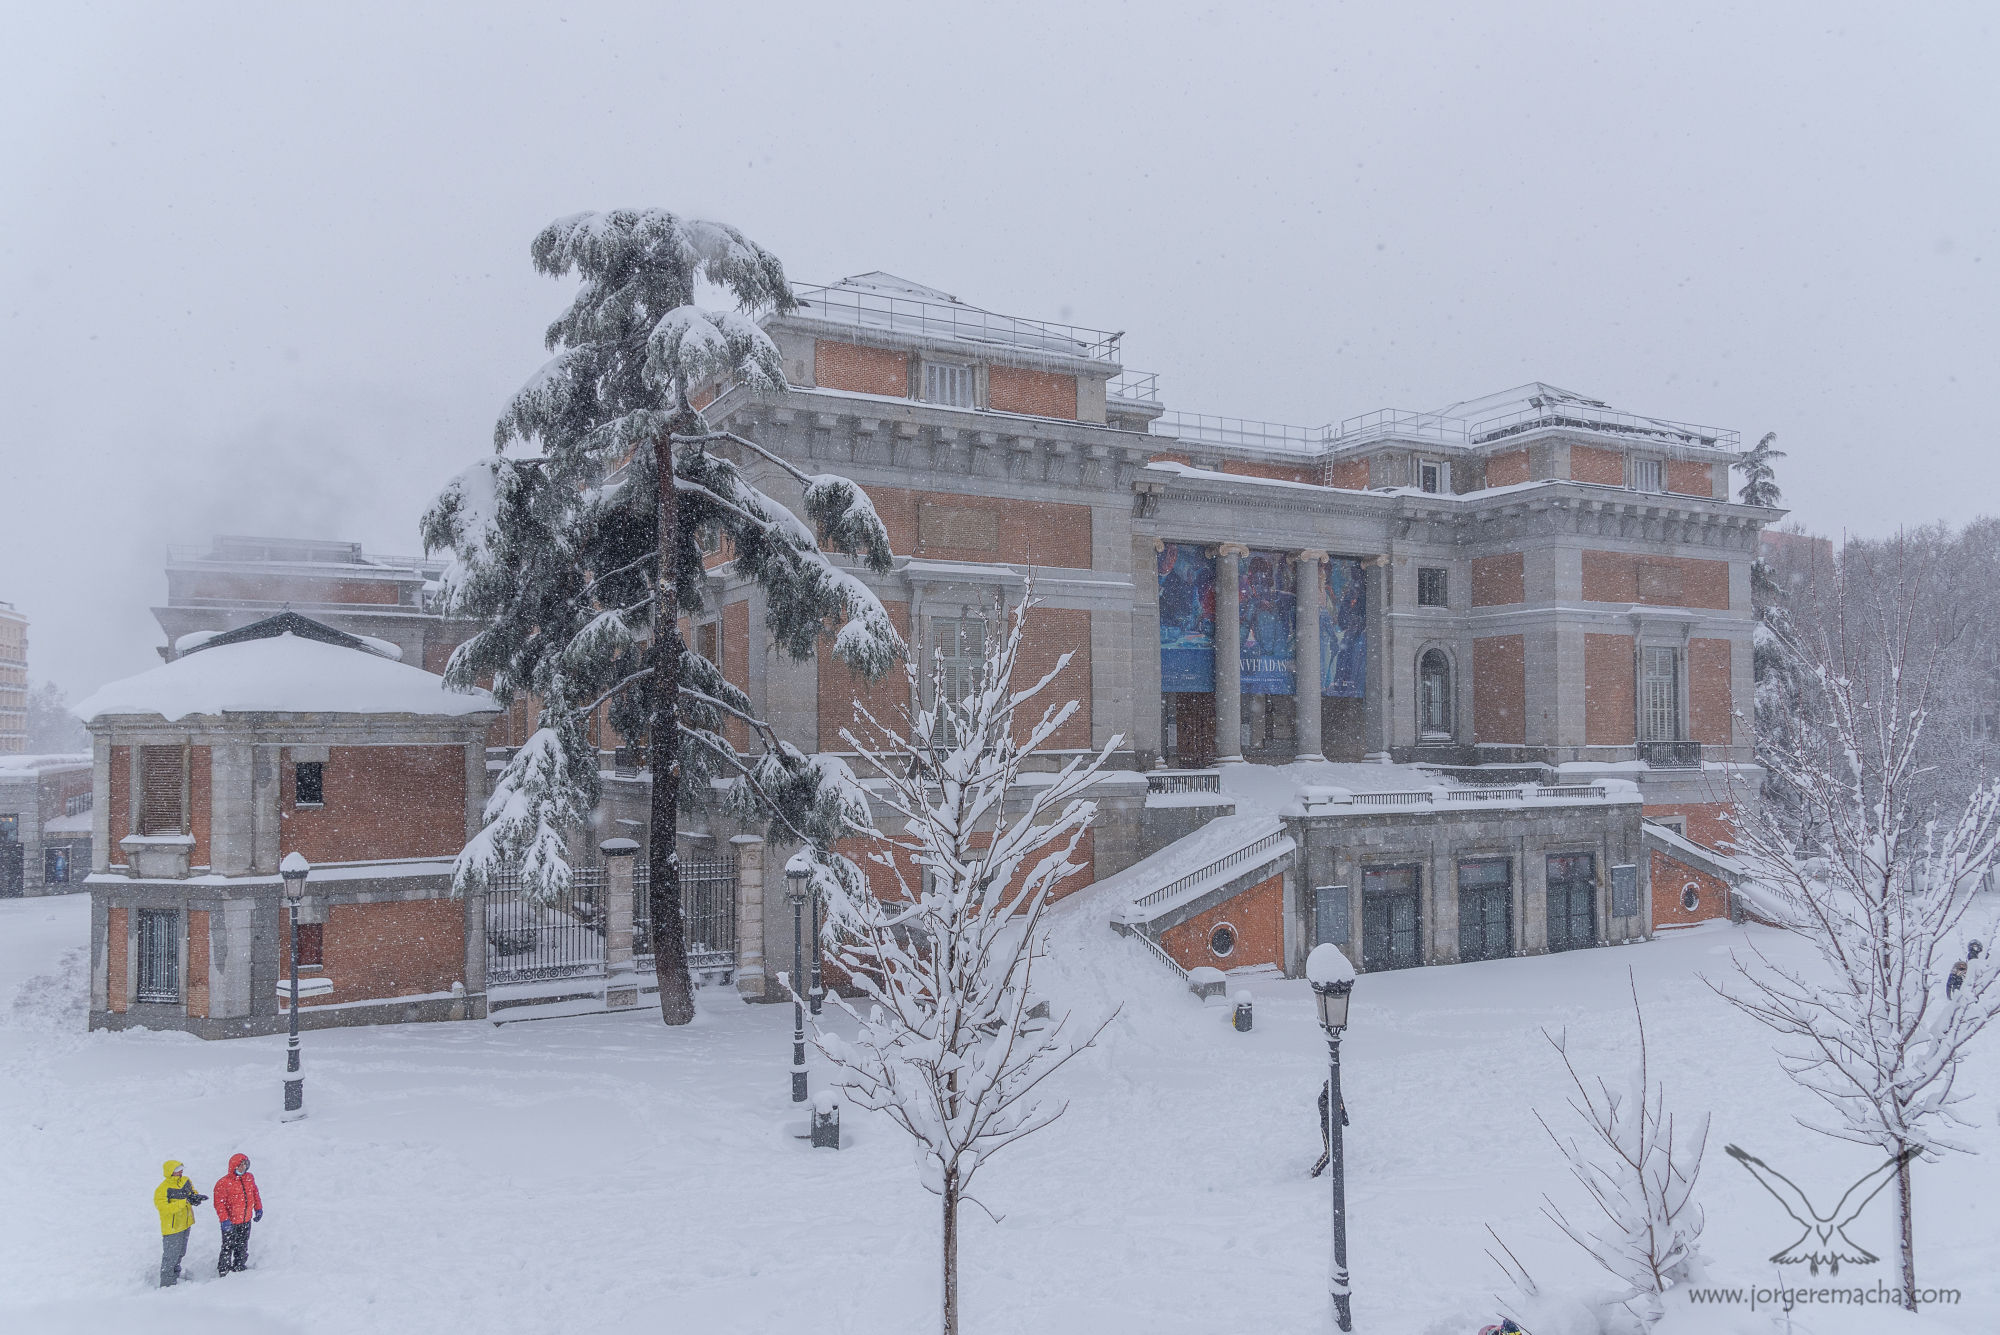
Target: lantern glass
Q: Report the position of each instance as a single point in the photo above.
(1333, 998)
(295, 887)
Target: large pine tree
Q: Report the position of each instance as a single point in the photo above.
(578, 562)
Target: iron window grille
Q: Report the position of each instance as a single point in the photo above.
(948, 384)
(1433, 475)
(1647, 475)
(1660, 695)
(159, 956)
(308, 784)
(1434, 696)
(1431, 586)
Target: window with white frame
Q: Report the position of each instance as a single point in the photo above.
(1659, 694)
(949, 384)
(1434, 696)
(1433, 475)
(960, 645)
(1647, 475)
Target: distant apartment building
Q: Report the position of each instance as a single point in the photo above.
(13, 681)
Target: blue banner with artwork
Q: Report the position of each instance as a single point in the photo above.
(1343, 630)
(1268, 587)
(1187, 617)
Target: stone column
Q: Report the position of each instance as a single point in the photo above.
(1376, 700)
(749, 850)
(475, 957)
(1229, 652)
(1305, 656)
(621, 981)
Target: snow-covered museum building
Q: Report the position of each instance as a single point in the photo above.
(1487, 669)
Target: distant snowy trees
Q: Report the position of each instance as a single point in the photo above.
(52, 729)
(952, 1043)
(1639, 1168)
(1878, 874)
(579, 544)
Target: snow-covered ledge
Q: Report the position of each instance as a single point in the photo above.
(158, 857)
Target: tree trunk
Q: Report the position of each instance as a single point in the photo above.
(950, 1253)
(1908, 1234)
(663, 895)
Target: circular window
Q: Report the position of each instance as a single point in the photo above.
(1222, 941)
(1690, 896)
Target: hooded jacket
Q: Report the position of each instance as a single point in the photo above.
(236, 1198)
(175, 1199)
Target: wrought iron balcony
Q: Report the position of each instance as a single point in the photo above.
(1671, 755)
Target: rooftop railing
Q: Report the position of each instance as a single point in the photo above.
(1608, 420)
(1241, 431)
(1134, 387)
(936, 319)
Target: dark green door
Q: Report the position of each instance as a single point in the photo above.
(1391, 919)
(1485, 909)
(1572, 900)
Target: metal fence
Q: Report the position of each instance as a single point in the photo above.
(708, 910)
(561, 938)
(528, 940)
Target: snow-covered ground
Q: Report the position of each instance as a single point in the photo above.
(606, 1173)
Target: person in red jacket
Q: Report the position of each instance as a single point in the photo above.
(237, 1205)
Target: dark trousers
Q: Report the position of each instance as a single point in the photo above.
(173, 1246)
(235, 1248)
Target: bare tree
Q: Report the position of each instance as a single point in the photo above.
(1640, 1172)
(1879, 886)
(954, 1045)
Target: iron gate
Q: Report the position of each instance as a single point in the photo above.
(708, 910)
(559, 938)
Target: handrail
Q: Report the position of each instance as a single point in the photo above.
(880, 310)
(1570, 790)
(1408, 797)
(1160, 953)
(1134, 387)
(1245, 854)
(1184, 781)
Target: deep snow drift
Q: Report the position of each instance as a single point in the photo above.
(605, 1173)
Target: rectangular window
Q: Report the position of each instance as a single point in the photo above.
(159, 955)
(1433, 475)
(1430, 586)
(162, 790)
(1646, 475)
(312, 945)
(960, 643)
(1659, 695)
(948, 384)
(10, 827)
(308, 784)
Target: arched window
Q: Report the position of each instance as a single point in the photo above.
(1434, 697)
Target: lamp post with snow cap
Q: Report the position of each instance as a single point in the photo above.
(798, 879)
(1332, 977)
(295, 869)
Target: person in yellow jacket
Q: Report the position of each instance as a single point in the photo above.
(175, 1199)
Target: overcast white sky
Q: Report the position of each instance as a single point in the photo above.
(265, 269)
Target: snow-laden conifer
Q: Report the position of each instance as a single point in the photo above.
(1760, 476)
(1880, 884)
(951, 1041)
(558, 543)
(1639, 1169)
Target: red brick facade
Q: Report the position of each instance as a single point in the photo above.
(382, 802)
(735, 665)
(1685, 477)
(117, 936)
(1710, 824)
(1505, 470)
(259, 588)
(945, 526)
(1709, 717)
(1500, 689)
(1672, 879)
(841, 688)
(1010, 389)
(1610, 705)
(197, 963)
(859, 370)
(395, 949)
(1258, 917)
(1498, 581)
(1605, 467)
(1656, 581)
(1349, 474)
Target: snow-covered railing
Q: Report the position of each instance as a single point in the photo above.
(1407, 798)
(1398, 424)
(913, 315)
(1159, 953)
(1570, 790)
(1609, 420)
(1252, 852)
(1485, 793)
(1134, 387)
(1184, 781)
(1241, 431)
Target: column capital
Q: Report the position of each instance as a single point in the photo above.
(1312, 554)
(1232, 549)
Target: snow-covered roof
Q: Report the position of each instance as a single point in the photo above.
(285, 674)
(886, 303)
(78, 823)
(21, 766)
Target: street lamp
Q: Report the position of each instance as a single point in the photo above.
(1332, 979)
(798, 879)
(294, 869)
(817, 995)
